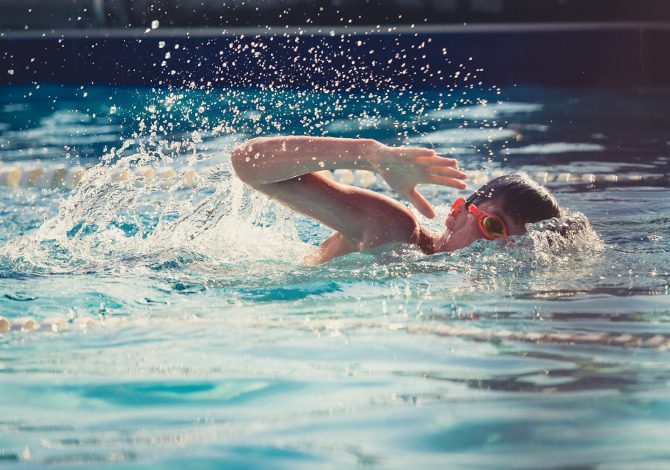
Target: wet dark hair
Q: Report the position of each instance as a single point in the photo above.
(520, 198)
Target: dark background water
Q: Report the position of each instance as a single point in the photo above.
(36, 14)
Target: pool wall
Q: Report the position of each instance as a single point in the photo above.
(584, 55)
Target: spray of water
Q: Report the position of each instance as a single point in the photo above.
(118, 218)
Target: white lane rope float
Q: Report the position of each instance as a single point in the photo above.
(53, 177)
(25, 176)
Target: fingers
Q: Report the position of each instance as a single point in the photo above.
(436, 161)
(446, 171)
(447, 181)
(421, 203)
(416, 152)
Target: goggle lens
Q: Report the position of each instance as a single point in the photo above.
(493, 226)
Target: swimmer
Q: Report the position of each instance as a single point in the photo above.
(286, 169)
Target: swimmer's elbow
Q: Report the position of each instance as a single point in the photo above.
(237, 157)
(241, 158)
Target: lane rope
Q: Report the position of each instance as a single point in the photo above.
(59, 176)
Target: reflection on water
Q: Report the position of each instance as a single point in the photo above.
(148, 320)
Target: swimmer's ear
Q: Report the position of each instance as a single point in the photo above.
(421, 203)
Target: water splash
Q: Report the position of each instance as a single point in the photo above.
(118, 219)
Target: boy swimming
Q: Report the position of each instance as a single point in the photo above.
(285, 168)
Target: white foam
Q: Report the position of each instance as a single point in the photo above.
(487, 111)
(555, 147)
(208, 212)
(464, 136)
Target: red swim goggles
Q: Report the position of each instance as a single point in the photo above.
(491, 226)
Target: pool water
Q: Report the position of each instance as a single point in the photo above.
(178, 327)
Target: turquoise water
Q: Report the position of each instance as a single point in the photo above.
(178, 327)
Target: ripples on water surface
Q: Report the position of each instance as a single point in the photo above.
(177, 325)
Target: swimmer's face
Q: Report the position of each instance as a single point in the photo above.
(464, 228)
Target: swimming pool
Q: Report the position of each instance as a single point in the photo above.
(178, 327)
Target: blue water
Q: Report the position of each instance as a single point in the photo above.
(179, 329)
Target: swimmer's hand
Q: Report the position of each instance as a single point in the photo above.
(404, 167)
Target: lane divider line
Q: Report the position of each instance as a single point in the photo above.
(61, 176)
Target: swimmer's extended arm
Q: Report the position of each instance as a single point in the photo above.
(285, 168)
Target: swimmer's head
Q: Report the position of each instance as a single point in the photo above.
(500, 208)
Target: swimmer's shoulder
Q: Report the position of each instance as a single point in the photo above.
(391, 223)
